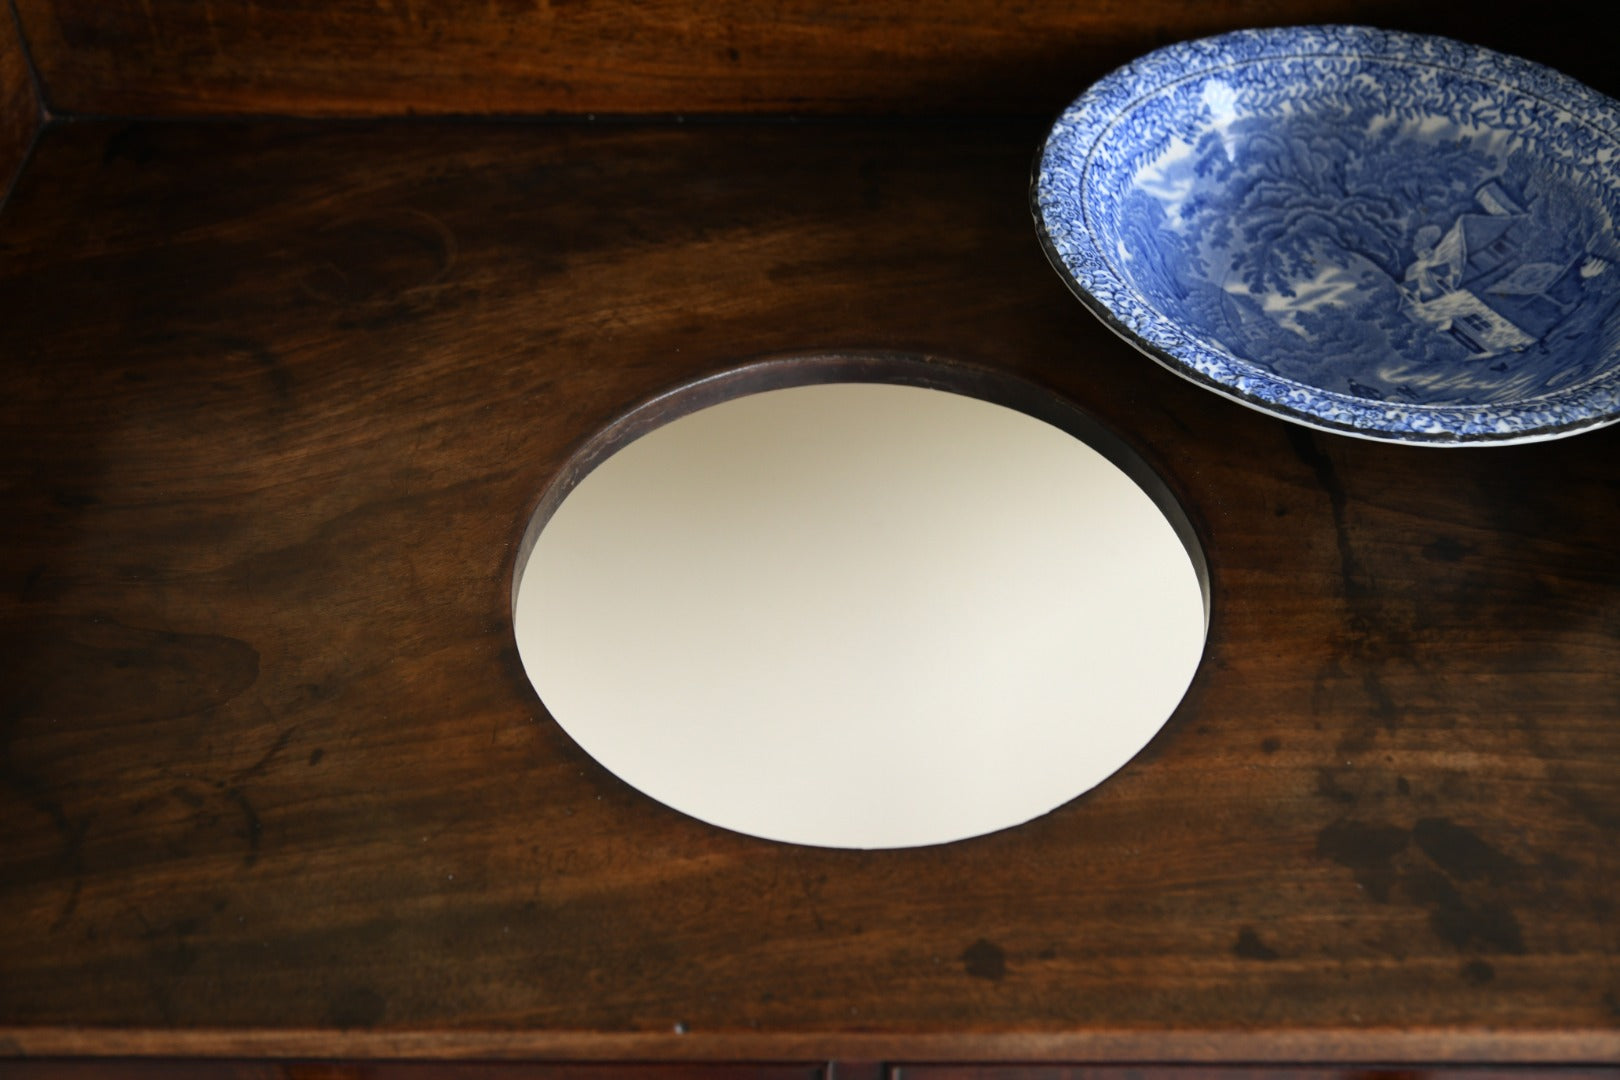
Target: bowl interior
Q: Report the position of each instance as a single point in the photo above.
(1367, 223)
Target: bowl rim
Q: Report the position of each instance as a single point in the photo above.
(1073, 250)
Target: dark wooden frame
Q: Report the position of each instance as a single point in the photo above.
(1388, 811)
(22, 113)
(781, 57)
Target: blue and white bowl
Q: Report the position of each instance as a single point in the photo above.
(1383, 234)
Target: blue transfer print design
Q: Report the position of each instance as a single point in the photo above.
(1396, 236)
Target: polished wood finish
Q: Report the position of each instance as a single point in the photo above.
(526, 57)
(279, 401)
(1028, 1071)
(19, 106)
(127, 1069)
(131, 1069)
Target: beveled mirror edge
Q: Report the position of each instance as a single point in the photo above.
(782, 371)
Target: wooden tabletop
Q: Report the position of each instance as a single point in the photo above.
(279, 401)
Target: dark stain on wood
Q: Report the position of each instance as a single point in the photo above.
(1574, 775)
(1366, 850)
(1486, 922)
(20, 114)
(985, 960)
(1250, 947)
(1328, 786)
(1308, 447)
(1456, 858)
(1461, 853)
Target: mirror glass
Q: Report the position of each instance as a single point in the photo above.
(859, 615)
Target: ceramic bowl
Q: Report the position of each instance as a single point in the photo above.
(1388, 235)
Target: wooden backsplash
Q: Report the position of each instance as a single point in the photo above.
(527, 57)
(19, 108)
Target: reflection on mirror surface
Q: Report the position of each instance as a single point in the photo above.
(860, 615)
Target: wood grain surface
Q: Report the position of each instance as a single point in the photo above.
(279, 401)
(527, 57)
(19, 107)
(170, 1069)
(1027, 1071)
